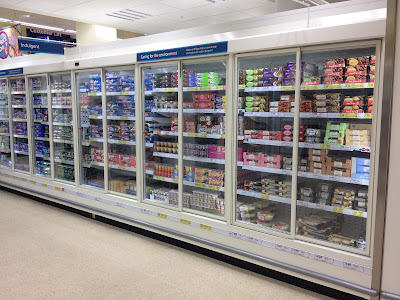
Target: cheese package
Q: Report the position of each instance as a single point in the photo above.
(338, 171)
(338, 163)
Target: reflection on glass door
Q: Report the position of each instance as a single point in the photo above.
(160, 86)
(336, 110)
(265, 140)
(5, 145)
(20, 124)
(41, 132)
(88, 85)
(204, 122)
(63, 132)
(121, 132)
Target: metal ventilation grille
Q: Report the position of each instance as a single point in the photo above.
(128, 14)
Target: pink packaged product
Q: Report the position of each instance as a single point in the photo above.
(215, 151)
(125, 161)
(272, 158)
(113, 159)
(97, 152)
(203, 97)
(273, 165)
(98, 158)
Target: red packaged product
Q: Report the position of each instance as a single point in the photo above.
(204, 105)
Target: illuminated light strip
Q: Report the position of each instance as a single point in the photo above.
(185, 222)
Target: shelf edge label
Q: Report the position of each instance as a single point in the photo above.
(196, 50)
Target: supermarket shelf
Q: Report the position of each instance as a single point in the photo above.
(62, 124)
(265, 197)
(94, 94)
(120, 93)
(149, 145)
(62, 141)
(166, 179)
(310, 115)
(338, 210)
(203, 111)
(42, 139)
(204, 186)
(164, 90)
(21, 152)
(5, 134)
(204, 159)
(22, 106)
(165, 110)
(173, 133)
(18, 92)
(122, 118)
(42, 156)
(20, 136)
(96, 140)
(267, 170)
(19, 120)
(334, 178)
(96, 117)
(118, 167)
(85, 143)
(121, 142)
(41, 122)
(341, 86)
(205, 135)
(63, 161)
(168, 155)
(4, 151)
(62, 106)
(61, 91)
(39, 92)
(306, 145)
(4, 119)
(39, 106)
(205, 88)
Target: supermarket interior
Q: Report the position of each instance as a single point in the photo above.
(267, 138)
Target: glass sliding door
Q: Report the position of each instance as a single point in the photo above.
(5, 136)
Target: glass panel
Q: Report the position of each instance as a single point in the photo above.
(20, 124)
(88, 86)
(265, 140)
(335, 144)
(120, 95)
(204, 136)
(5, 146)
(161, 133)
(38, 91)
(63, 132)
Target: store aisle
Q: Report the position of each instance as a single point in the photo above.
(49, 253)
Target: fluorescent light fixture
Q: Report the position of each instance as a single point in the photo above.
(5, 20)
(39, 26)
(70, 31)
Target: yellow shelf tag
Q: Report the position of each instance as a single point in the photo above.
(367, 116)
(57, 188)
(170, 89)
(175, 180)
(33, 182)
(160, 178)
(309, 87)
(187, 222)
(349, 116)
(23, 179)
(192, 134)
(325, 146)
(124, 118)
(205, 88)
(338, 210)
(371, 85)
(332, 86)
(203, 135)
(122, 142)
(192, 89)
(121, 168)
(202, 185)
(358, 213)
(124, 93)
(265, 197)
(287, 88)
(223, 136)
(219, 88)
(355, 85)
(162, 216)
(205, 227)
(44, 185)
(214, 187)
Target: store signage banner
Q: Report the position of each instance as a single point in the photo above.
(36, 46)
(9, 42)
(9, 72)
(197, 50)
(49, 35)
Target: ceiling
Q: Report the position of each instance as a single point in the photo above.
(155, 16)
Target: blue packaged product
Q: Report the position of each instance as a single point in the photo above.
(361, 161)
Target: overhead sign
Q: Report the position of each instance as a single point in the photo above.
(9, 42)
(9, 72)
(49, 35)
(36, 46)
(205, 49)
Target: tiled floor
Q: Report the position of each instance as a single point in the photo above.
(48, 253)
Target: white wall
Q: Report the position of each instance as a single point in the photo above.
(88, 34)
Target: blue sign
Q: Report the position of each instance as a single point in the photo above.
(36, 46)
(49, 35)
(205, 49)
(10, 72)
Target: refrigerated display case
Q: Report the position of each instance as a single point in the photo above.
(40, 124)
(62, 126)
(20, 131)
(121, 130)
(204, 104)
(5, 135)
(265, 133)
(160, 92)
(89, 97)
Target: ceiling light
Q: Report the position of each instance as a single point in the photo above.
(5, 20)
(40, 26)
(70, 31)
(128, 14)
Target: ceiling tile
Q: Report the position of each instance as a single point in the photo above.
(212, 10)
(239, 5)
(260, 11)
(232, 16)
(46, 5)
(155, 10)
(187, 4)
(184, 15)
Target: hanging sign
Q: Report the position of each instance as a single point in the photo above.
(9, 72)
(205, 49)
(9, 42)
(36, 46)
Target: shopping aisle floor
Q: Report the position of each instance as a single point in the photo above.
(49, 253)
